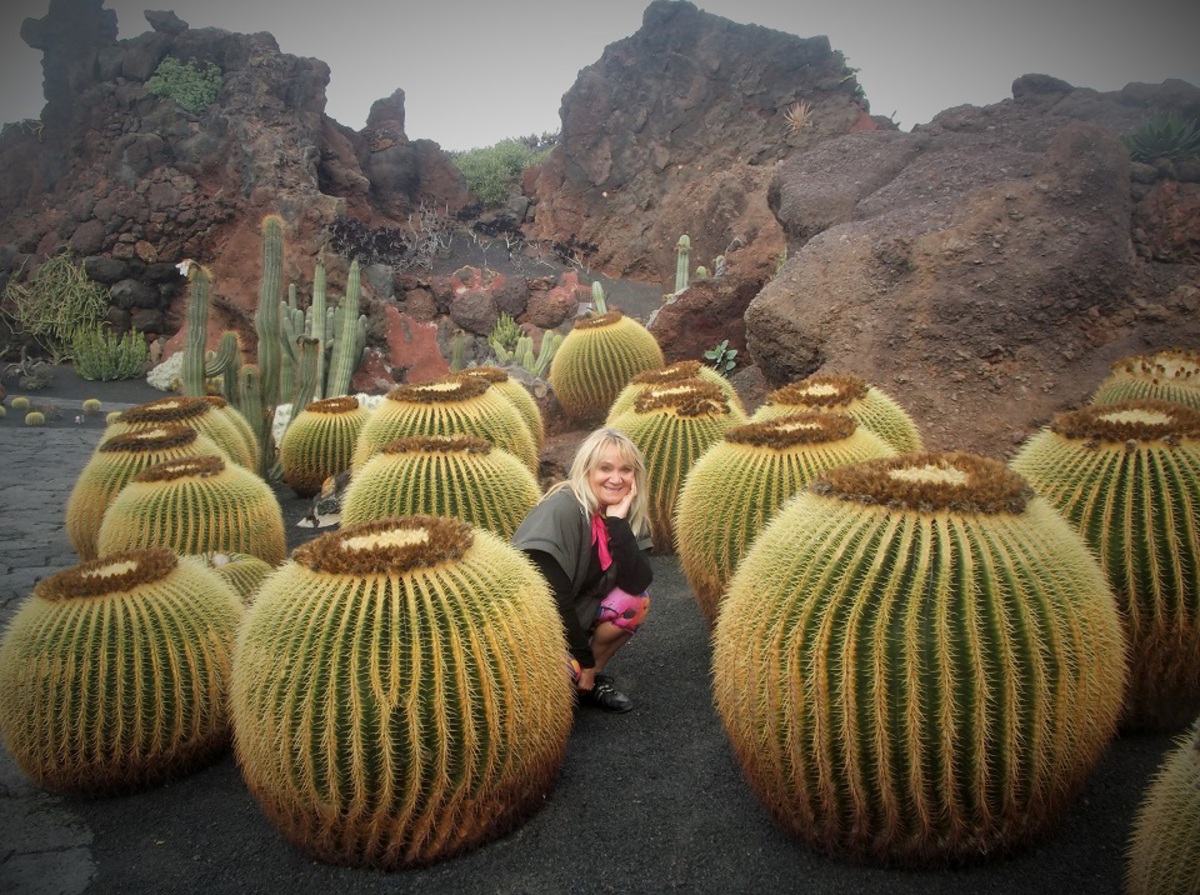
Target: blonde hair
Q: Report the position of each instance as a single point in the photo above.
(587, 458)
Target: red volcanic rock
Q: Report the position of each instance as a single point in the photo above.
(414, 348)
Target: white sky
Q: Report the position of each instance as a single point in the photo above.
(475, 72)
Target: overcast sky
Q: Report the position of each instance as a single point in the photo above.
(475, 72)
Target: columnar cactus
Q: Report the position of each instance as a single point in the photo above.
(202, 414)
(918, 662)
(516, 392)
(676, 372)
(195, 505)
(1127, 476)
(319, 442)
(672, 425)
(1164, 854)
(1169, 375)
(738, 485)
(462, 476)
(114, 674)
(398, 692)
(597, 359)
(241, 571)
(870, 407)
(113, 465)
(452, 405)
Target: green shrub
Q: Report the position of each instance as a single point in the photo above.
(492, 171)
(100, 353)
(1166, 135)
(58, 301)
(192, 87)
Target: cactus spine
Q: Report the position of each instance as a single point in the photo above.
(114, 674)
(434, 722)
(1127, 477)
(918, 662)
(1163, 855)
(319, 442)
(597, 358)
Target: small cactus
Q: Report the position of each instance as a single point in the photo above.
(20, 402)
(91, 406)
(35, 418)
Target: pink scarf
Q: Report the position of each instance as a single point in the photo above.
(600, 540)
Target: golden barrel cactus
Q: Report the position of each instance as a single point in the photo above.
(673, 425)
(677, 372)
(738, 485)
(1164, 853)
(516, 392)
(319, 442)
(918, 662)
(241, 571)
(114, 674)
(869, 405)
(596, 360)
(452, 405)
(195, 505)
(205, 416)
(113, 465)
(462, 476)
(1127, 477)
(398, 692)
(1172, 374)
(241, 425)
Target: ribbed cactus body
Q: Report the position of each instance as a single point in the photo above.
(461, 476)
(1168, 375)
(673, 425)
(241, 571)
(399, 694)
(597, 359)
(869, 406)
(195, 505)
(918, 662)
(1127, 477)
(202, 414)
(453, 405)
(1164, 853)
(738, 485)
(319, 442)
(677, 372)
(116, 460)
(114, 674)
(519, 395)
(241, 425)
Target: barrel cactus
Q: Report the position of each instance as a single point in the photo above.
(869, 405)
(113, 465)
(452, 405)
(1172, 374)
(676, 372)
(462, 476)
(738, 485)
(597, 359)
(1164, 853)
(114, 674)
(195, 413)
(1127, 477)
(195, 505)
(241, 571)
(918, 662)
(672, 425)
(516, 392)
(398, 692)
(319, 442)
(240, 424)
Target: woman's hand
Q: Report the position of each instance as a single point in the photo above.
(621, 510)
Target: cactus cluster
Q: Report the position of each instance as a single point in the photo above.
(1172, 374)
(597, 359)
(210, 417)
(319, 442)
(433, 722)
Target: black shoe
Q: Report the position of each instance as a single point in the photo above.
(605, 696)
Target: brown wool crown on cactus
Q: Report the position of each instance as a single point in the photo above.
(211, 418)
(1171, 374)
(518, 394)
(674, 373)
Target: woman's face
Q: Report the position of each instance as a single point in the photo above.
(611, 477)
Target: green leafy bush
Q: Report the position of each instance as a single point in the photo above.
(723, 358)
(192, 87)
(492, 171)
(1166, 135)
(58, 301)
(104, 355)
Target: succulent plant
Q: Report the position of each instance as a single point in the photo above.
(195, 505)
(201, 414)
(1170, 375)
(870, 407)
(738, 485)
(114, 674)
(20, 402)
(241, 425)
(1164, 858)
(677, 372)
(241, 571)
(319, 442)
(518, 394)
(91, 406)
(462, 476)
(35, 418)
(1127, 477)
(672, 425)
(918, 662)
(452, 405)
(399, 694)
(597, 359)
(114, 463)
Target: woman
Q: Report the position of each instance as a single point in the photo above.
(584, 537)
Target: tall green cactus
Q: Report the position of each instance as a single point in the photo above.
(683, 253)
(918, 662)
(349, 337)
(194, 381)
(268, 321)
(435, 722)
